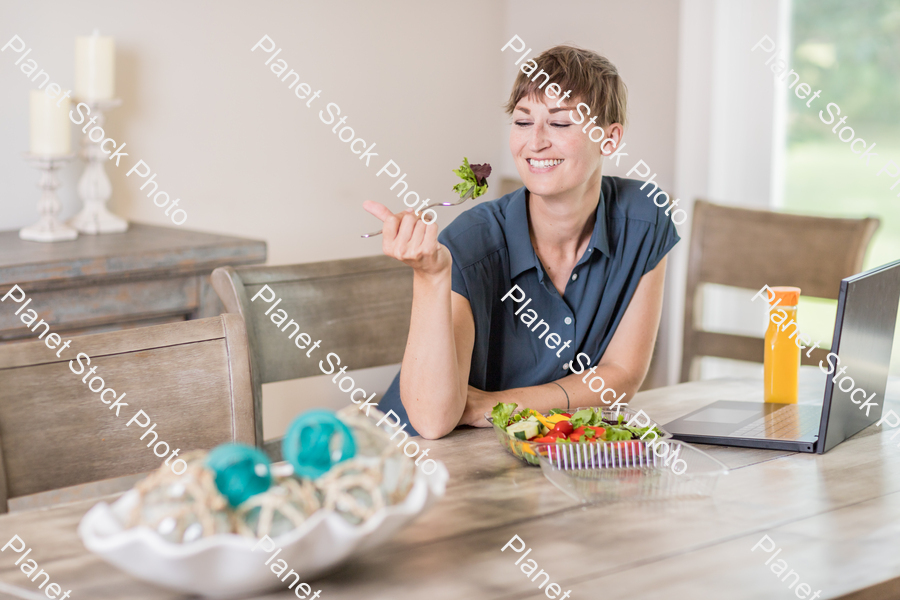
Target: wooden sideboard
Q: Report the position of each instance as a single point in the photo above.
(145, 276)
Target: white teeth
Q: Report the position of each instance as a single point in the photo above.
(543, 164)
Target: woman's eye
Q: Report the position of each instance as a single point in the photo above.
(560, 124)
(522, 123)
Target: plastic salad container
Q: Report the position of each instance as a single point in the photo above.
(594, 474)
(530, 452)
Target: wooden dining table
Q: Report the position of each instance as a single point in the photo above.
(835, 518)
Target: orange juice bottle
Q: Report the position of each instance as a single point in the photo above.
(782, 357)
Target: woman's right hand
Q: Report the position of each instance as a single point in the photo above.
(408, 239)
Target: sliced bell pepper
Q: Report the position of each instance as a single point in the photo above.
(579, 432)
(547, 439)
(544, 421)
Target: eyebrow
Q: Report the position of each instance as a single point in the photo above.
(552, 110)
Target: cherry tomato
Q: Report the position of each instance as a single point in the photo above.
(563, 427)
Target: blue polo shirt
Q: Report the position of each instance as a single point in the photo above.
(492, 252)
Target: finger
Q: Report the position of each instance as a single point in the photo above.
(431, 235)
(418, 235)
(391, 225)
(379, 210)
(406, 228)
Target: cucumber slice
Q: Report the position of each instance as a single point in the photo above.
(524, 430)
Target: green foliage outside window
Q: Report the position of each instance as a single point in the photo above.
(851, 51)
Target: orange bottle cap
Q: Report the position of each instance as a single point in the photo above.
(790, 296)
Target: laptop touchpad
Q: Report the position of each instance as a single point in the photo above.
(721, 415)
(719, 418)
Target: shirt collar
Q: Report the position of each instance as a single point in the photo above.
(518, 241)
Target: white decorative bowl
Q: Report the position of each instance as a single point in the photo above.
(223, 566)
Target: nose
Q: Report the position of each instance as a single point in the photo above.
(539, 138)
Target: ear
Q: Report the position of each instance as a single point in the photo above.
(614, 134)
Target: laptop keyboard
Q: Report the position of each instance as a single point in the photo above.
(786, 423)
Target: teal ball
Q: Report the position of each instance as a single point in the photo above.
(316, 441)
(241, 471)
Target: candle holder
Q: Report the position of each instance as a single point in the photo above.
(94, 187)
(49, 228)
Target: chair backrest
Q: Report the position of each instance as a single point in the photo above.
(191, 378)
(751, 248)
(508, 185)
(359, 308)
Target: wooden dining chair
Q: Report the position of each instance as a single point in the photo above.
(746, 248)
(358, 307)
(191, 378)
(508, 185)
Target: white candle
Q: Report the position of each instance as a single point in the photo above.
(95, 66)
(51, 133)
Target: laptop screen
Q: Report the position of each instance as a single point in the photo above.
(860, 354)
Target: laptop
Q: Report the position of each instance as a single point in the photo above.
(863, 337)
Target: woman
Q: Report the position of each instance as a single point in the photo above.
(585, 253)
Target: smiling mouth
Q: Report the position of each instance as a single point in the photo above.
(545, 164)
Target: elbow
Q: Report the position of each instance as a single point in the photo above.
(431, 425)
(630, 382)
(428, 418)
(628, 391)
(431, 431)
(632, 387)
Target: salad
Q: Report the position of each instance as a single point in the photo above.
(560, 427)
(474, 179)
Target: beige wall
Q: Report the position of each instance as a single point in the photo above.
(424, 80)
(227, 137)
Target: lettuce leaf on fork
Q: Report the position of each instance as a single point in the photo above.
(474, 178)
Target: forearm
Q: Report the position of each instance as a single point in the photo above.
(430, 378)
(602, 387)
(435, 364)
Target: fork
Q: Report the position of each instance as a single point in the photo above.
(465, 197)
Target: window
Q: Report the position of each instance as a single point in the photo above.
(851, 51)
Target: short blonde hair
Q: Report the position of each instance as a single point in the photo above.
(591, 77)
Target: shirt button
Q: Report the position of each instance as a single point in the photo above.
(568, 320)
(574, 276)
